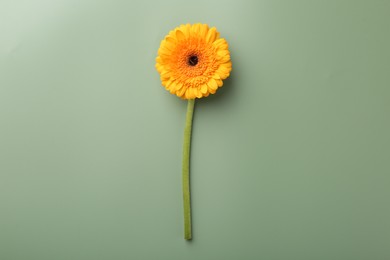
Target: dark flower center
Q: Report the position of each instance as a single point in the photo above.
(193, 60)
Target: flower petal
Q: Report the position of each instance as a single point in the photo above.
(211, 91)
(221, 44)
(188, 28)
(159, 68)
(223, 53)
(203, 30)
(187, 94)
(198, 93)
(203, 89)
(191, 93)
(165, 74)
(184, 30)
(196, 28)
(164, 51)
(172, 88)
(182, 91)
(171, 39)
(211, 35)
(212, 84)
(224, 58)
(219, 82)
(216, 76)
(223, 72)
(169, 45)
(180, 35)
(179, 85)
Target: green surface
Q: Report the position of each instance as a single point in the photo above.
(290, 159)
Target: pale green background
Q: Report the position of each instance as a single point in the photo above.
(290, 160)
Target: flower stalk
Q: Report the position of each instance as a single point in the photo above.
(186, 170)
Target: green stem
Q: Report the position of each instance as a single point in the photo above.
(186, 170)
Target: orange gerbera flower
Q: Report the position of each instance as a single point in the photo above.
(193, 60)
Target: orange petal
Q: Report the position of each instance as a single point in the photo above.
(182, 91)
(180, 35)
(163, 51)
(188, 28)
(219, 82)
(224, 58)
(184, 30)
(223, 53)
(220, 44)
(169, 45)
(196, 28)
(198, 93)
(216, 76)
(179, 85)
(211, 35)
(203, 89)
(171, 39)
(211, 91)
(203, 30)
(165, 74)
(187, 94)
(190, 93)
(212, 84)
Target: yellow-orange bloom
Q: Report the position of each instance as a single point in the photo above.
(193, 60)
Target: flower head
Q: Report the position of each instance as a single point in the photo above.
(193, 60)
